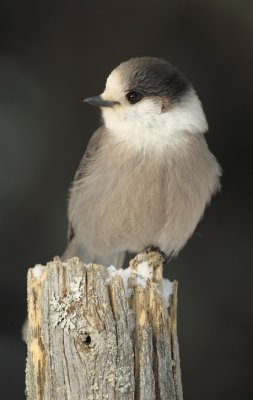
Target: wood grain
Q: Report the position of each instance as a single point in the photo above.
(90, 338)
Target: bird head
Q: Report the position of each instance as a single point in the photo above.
(148, 93)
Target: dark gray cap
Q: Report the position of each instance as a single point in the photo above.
(153, 76)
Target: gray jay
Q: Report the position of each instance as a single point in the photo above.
(147, 174)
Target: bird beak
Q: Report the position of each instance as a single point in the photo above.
(99, 102)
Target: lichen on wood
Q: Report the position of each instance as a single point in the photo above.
(92, 335)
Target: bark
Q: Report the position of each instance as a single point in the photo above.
(93, 335)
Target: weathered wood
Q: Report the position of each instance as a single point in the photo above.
(97, 333)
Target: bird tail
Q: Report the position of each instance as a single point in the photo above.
(75, 250)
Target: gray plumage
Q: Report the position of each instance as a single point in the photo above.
(147, 174)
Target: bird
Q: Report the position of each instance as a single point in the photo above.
(147, 174)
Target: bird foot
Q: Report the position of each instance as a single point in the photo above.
(151, 249)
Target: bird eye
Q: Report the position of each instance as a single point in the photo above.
(134, 97)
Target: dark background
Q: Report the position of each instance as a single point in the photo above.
(55, 53)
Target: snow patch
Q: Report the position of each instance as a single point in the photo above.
(124, 274)
(142, 274)
(37, 271)
(167, 291)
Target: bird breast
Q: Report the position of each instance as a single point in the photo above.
(130, 199)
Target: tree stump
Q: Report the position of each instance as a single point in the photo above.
(97, 333)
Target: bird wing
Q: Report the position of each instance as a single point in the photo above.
(92, 147)
(73, 247)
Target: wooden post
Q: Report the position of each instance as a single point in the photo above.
(97, 333)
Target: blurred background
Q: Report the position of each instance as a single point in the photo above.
(54, 54)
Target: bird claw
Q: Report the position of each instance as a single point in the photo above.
(151, 249)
